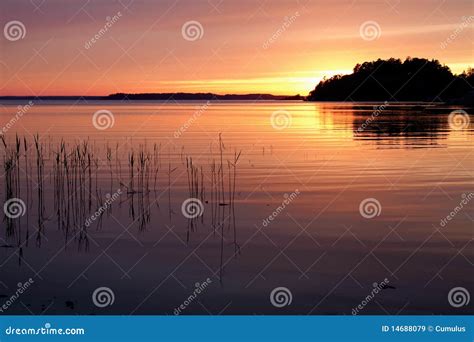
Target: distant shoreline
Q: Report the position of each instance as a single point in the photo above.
(84, 99)
(159, 97)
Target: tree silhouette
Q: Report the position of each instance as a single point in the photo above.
(415, 79)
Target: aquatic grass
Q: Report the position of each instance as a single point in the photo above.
(71, 172)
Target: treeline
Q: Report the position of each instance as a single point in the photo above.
(199, 96)
(414, 79)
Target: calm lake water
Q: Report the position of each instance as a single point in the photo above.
(294, 220)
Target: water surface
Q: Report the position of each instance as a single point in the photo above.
(294, 221)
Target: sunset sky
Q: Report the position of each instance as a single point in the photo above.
(144, 49)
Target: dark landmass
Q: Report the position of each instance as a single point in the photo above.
(160, 97)
(200, 96)
(415, 79)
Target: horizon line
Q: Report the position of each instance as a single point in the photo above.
(158, 93)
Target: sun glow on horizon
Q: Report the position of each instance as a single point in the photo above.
(278, 85)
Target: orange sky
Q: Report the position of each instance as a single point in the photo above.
(144, 49)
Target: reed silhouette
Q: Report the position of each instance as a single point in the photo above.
(83, 177)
